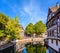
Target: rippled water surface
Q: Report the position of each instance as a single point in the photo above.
(35, 49)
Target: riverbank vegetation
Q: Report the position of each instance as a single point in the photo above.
(9, 28)
(35, 49)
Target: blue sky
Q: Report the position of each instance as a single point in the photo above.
(27, 10)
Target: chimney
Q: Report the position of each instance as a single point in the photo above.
(57, 4)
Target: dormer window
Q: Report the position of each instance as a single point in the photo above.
(50, 16)
(53, 14)
(54, 22)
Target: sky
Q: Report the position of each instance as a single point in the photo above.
(29, 11)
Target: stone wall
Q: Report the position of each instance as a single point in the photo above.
(7, 48)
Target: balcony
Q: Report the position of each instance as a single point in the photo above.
(53, 27)
(53, 37)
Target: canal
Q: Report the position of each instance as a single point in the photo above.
(36, 48)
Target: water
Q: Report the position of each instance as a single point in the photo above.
(47, 51)
(34, 49)
(24, 51)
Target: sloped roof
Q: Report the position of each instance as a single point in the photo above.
(20, 26)
(54, 9)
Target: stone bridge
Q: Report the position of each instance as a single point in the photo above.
(28, 40)
(21, 43)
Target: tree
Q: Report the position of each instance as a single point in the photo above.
(12, 28)
(9, 28)
(40, 28)
(29, 29)
(3, 20)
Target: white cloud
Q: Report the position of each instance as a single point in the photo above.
(27, 10)
(35, 12)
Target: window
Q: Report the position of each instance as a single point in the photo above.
(54, 22)
(55, 32)
(52, 32)
(56, 42)
(59, 29)
(53, 14)
(58, 20)
(50, 16)
(52, 41)
(59, 25)
(48, 33)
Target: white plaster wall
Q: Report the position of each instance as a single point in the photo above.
(53, 45)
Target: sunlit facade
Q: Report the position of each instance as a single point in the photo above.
(53, 29)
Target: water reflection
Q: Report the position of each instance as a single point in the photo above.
(24, 51)
(36, 48)
(47, 51)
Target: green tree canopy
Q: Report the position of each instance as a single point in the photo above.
(40, 28)
(9, 27)
(29, 29)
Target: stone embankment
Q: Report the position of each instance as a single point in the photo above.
(20, 44)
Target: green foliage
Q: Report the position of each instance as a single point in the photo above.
(1, 33)
(3, 21)
(40, 28)
(29, 29)
(9, 27)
